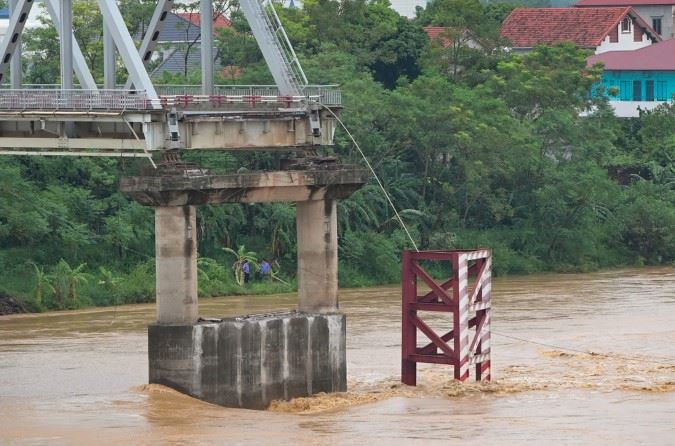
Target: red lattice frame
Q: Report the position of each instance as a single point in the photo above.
(468, 342)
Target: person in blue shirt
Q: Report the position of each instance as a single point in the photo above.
(246, 269)
(265, 269)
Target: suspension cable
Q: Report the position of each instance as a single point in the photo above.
(370, 167)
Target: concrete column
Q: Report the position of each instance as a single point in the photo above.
(15, 64)
(176, 264)
(317, 256)
(206, 17)
(67, 44)
(109, 81)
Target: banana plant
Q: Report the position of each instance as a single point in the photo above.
(242, 255)
(42, 286)
(65, 281)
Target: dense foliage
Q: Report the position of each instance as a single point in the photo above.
(477, 147)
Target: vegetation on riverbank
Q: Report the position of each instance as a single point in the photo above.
(478, 147)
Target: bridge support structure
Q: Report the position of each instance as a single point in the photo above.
(467, 343)
(242, 362)
(252, 360)
(176, 264)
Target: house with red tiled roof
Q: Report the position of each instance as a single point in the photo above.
(181, 27)
(436, 34)
(640, 79)
(180, 40)
(442, 36)
(194, 18)
(658, 13)
(597, 29)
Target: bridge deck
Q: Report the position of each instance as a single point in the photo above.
(52, 121)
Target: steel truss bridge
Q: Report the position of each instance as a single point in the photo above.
(139, 118)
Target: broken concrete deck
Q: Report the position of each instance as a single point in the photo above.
(197, 188)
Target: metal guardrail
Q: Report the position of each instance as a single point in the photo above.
(328, 95)
(325, 94)
(219, 100)
(47, 99)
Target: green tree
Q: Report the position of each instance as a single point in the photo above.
(42, 43)
(376, 35)
(237, 50)
(648, 217)
(656, 143)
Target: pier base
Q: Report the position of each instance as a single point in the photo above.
(248, 362)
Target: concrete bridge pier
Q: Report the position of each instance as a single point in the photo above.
(176, 264)
(251, 360)
(317, 256)
(176, 260)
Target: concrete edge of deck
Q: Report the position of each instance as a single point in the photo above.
(249, 187)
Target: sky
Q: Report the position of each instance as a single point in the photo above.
(404, 7)
(407, 7)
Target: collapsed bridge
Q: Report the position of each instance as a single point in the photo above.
(245, 361)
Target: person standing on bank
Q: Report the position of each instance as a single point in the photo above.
(265, 269)
(246, 269)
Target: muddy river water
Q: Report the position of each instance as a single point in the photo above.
(80, 377)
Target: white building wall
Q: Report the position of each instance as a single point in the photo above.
(629, 109)
(625, 43)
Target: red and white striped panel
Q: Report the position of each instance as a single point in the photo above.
(475, 255)
(462, 329)
(486, 282)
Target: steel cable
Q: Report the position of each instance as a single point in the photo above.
(372, 170)
(588, 352)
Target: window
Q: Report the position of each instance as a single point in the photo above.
(626, 25)
(649, 91)
(656, 24)
(637, 90)
(625, 91)
(661, 91)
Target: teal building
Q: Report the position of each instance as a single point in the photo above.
(643, 75)
(639, 85)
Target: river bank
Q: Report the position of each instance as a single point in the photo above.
(10, 305)
(96, 293)
(214, 282)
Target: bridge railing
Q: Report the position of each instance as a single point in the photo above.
(56, 99)
(328, 95)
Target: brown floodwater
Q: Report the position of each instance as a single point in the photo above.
(577, 359)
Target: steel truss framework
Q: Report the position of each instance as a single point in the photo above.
(24, 112)
(61, 13)
(265, 25)
(468, 342)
